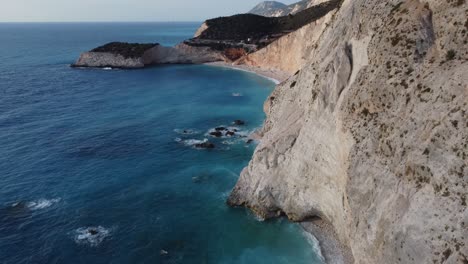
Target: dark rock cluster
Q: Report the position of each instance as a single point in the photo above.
(205, 145)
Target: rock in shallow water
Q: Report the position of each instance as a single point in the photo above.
(91, 236)
(205, 145)
(216, 134)
(239, 122)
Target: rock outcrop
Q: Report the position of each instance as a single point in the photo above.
(371, 133)
(118, 54)
(133, 56)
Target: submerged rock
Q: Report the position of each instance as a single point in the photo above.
(201, 178)
(205, 145)
(91, 236)
(93, 232)
(216, 134)
(239, 122)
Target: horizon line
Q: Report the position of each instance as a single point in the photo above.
(149, 21)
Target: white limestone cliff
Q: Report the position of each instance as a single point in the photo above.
(371, 134)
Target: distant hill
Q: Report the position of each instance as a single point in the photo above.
(277, 9)
(268, 8)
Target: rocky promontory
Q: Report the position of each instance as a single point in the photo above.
(134, 56)
(226, 39)
(118, 54)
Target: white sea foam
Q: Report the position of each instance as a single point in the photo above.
(42, 203)
(107, 68)
(186, 131)
(229, 142)
(91, 236)
(312, 240)
(238, 132)
(237, 94)
(244, 133)
(193, 142)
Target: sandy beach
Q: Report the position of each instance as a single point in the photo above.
(276, 76)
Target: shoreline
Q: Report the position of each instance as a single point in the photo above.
(332, 250)
(275, 76)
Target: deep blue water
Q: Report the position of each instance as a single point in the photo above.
(95, 166)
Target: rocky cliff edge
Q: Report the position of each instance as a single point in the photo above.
(370, 134)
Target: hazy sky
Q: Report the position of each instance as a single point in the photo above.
(121, 10)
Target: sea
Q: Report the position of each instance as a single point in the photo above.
(101, 165)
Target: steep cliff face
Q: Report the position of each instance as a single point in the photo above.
(290, 52)
(371, 135)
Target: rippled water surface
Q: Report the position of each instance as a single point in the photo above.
(100, 166)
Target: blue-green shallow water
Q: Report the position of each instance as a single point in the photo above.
(83, 148)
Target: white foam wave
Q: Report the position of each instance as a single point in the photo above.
(91, 236)
(229, 142)
(244, 133)
(42, 203)
(193, 142)
(237, 94)
(237, 132)
(312, 240)
(107, 68)
(186, 131)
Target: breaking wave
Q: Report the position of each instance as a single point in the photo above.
(91, 236)
(41, 204)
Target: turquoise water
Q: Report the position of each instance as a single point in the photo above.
(100, 166)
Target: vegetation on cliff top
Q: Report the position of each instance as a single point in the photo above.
(252, 28)
(127, 50)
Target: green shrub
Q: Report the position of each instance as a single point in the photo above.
(450, 55)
